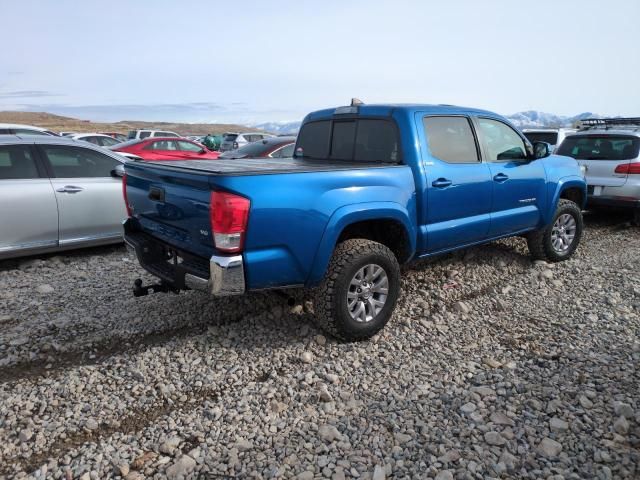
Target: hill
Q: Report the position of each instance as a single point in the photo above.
(59, 123)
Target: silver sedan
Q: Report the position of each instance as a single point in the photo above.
(58, 194)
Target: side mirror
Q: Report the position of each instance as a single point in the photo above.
(541, 150)
(203, 151)
(118, 172)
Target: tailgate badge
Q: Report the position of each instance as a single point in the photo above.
(204, 233)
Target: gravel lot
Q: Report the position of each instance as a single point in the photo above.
(492, 366)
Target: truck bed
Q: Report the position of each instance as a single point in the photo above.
(266, 166)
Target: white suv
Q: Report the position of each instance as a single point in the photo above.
(233, 141)
(140, 134)
(609, 150)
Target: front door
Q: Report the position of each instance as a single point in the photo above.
(458, 197)
(519, 183)
(90, 202)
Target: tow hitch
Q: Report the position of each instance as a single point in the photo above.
(140, 291)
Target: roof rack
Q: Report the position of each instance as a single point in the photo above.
(589, 123)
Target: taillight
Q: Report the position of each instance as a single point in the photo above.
(124, 194)
(629, 168)
(235, 145)
(229, 214)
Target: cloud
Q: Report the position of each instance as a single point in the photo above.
(29, 94)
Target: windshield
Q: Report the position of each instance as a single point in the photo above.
(548, 137)
(125, 144)
(229, 137)
(600, 147)
(255, 149)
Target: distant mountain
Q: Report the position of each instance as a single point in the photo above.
(533, 119)
(279, 128)
(528, 119)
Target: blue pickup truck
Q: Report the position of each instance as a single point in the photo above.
(370, 187)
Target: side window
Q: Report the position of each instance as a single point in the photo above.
(77, 162)
(144, 135)
(451, 139)
(313, 140)
(188, 147)
(94, 140)
(376, 141)
(501, 141)
(16, 162)
(24, 131)
(107, 141)
(342, 140)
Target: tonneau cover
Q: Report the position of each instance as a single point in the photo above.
(263, 166)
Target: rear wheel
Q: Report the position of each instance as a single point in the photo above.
(359, 291)
(558, 241)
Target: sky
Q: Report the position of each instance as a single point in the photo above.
(254, 61)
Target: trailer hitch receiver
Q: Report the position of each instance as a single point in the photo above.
(140, 291)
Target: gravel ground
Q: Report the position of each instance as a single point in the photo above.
(492, 366)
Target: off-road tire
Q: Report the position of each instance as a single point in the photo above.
(539, 241)
(331, 312)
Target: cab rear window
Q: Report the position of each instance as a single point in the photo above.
(359, 140)
(600, 147)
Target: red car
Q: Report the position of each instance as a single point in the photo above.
(165, 148)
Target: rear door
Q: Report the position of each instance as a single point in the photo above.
(90, 202)
(28, 209)
(458, 197)
(519, 183)
(601, 155)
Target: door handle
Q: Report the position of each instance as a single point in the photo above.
(69, 189)
(441, 183)
(501, 177)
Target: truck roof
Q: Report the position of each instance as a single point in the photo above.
(383, 109)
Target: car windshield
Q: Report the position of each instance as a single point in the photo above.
(549, 137)
(255, 149)
(124, 144)
(600, 147)
(229, 137)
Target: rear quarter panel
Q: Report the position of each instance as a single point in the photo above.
(296, 219)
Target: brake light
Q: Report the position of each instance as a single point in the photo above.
(628, 168)
(235, 145)
(124, 194)
(229, 214)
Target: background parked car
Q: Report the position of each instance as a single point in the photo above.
(276, 147)
(17, 129)
(95, 138)
(140, 134)
(233, 141)
(552, 136)
(167, 148)
(610, 151)
(63, 194)
(121, 137)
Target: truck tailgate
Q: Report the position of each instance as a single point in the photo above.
(173, 206)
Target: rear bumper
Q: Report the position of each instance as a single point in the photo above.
(219, 275)
(610, 201)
